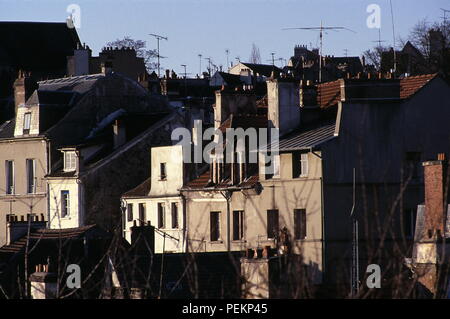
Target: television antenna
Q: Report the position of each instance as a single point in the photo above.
(273, 58)
(159, 38)
(209, 65)
(321, 30)
(200, 59)
(445, 14)
(393, 36)
(379, 41)
(227, 52)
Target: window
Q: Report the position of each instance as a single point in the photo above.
(215, 226)
(65, 204)
(272, 223)
(31, 176)
(300, 223)
(161, 213)
(130, 212)
(9, 173)
(162, 171)
(70, 161)
(238, 225)
(26, 123)
(174, 215)
(142, 214)
(303, 165)
(273, 167)
(409, 222)
(299, 164)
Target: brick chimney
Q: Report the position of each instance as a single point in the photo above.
(24, 86)
(436, 192)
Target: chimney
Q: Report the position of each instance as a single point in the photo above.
(120, 134)
(283, 99)
(17, 229)
(43, 283)
(237, 102)
(436, 195)
(308, 94)
(107, 67)
(24, 86)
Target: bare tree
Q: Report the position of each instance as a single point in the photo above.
(141, 50)
(255, 56)
(420, 37)
(373, 56)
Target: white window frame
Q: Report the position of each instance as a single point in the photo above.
(10, 189)
(304, 165)
(71, 164)
(27, 121)
(64, 193)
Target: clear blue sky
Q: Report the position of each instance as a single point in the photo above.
(211, 26)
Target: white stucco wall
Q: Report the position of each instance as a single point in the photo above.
(75, 217)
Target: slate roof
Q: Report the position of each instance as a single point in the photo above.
(231, 79)
(262, 69)
(46, 234)
(7, 129)
(79, 84)
(306, 138)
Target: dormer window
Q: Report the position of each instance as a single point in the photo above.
(70, 161)
(26, 123)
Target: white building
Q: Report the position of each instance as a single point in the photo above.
(158, 200)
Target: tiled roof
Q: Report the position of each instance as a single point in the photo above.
(244, 121)
(199, 182)
(46, 234)
(328, 94)
(306, 138)
(203, 182)
(140, 191)
(411, 84)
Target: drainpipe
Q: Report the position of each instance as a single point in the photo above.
(322, 211)
(227, 195)
(185, 223)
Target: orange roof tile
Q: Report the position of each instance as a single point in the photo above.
(411, 84)
(328, 94)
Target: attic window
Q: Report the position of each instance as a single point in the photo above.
(26, 123)
(70, 161)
